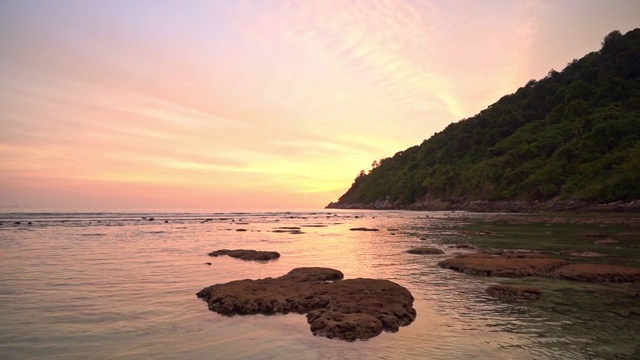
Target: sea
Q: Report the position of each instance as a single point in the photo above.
(122, 285)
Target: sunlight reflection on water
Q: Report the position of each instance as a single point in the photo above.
(117, 285)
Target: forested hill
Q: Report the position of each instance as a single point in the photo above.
(573, 136)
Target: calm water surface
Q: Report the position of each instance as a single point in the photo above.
(122, 285)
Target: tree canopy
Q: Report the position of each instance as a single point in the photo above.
(573, 135)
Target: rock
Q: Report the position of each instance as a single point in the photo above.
(425, 251)
(583, 254)
(606, 242)
(354, 309)
(629, 234)
(504, 264)
(462, 246)
(364, 229)
(288, 231)
(247, 254)
(597, 273)
(591, 235)
(514, 292)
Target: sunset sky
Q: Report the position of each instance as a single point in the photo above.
(241, 105)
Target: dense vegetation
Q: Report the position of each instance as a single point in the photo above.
(574, 134)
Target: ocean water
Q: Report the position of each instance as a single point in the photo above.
(122, 286)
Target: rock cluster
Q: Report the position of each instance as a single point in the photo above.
(353, 309)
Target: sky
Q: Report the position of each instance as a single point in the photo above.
(242, 105)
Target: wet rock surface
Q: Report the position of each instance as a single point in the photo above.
(514, 292)
(506, 264)
(242, 254)
(353, 309)
(521, 264)
(425, 251)
(597, 273)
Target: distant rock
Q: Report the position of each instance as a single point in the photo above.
(364, 229)
(425, 251)
(288, 229)
(583, 254)
(606, 242)
(629, 234)
(354, 309)
(247, 254)
(462, 246)
(591, 235)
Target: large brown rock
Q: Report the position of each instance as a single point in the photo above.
(507, 264)
(354, 309)
(247, 254)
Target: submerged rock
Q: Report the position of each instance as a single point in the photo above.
(425, 251)
(354, 309)
(506, 264)
(597, 273)
(514, 292)
(518, 264)
(591, 235)
(247, 254)
(606, 242)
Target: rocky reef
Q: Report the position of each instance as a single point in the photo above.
(353, 309)
(521, 264)
(507, 264)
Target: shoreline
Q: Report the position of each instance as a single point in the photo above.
(484, 206)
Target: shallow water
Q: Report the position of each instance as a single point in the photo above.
(119, 285)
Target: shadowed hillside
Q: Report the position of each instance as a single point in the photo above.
(571, 137)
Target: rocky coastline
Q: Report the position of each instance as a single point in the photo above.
(516, 206)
